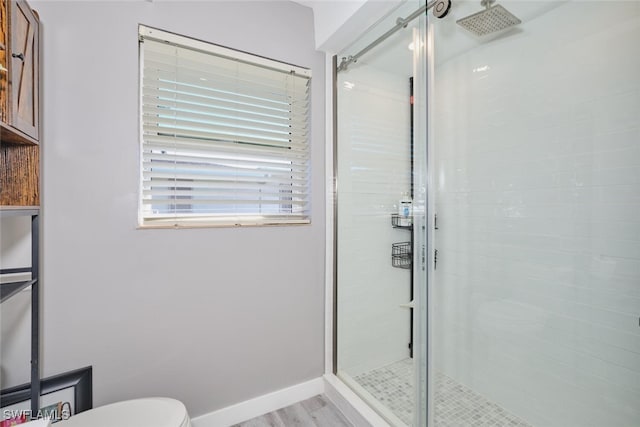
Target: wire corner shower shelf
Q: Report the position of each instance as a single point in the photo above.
(401, 255)
(399, 221)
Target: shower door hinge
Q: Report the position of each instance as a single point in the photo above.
(435, 258)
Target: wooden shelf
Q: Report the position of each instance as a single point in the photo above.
(9, 135)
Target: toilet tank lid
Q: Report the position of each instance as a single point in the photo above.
(148, 412)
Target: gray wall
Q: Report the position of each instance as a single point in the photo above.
(208, 316)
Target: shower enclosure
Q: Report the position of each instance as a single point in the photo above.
(520, 304)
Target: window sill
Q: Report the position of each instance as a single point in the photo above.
(169, 224)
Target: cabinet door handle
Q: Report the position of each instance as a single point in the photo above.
(20, 56)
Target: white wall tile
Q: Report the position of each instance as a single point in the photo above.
(373, 172)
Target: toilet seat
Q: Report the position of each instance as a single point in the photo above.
(148, 412)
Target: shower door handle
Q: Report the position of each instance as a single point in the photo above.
(410, 304)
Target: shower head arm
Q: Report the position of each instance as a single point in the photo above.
(487, 3)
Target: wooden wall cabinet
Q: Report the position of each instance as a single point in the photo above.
(19, 104)
(4, 70)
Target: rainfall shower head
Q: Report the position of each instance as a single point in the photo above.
(490, 20)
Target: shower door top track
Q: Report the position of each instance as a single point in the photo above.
(440, 10)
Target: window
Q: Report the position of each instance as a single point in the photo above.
(224, 135)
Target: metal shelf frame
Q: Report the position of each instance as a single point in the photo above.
(10, 289)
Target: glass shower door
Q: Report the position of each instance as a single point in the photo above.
(424, 222)
(381, 223)
(534, 135)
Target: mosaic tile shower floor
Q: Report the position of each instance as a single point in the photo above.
(392, 385)
(455, 404)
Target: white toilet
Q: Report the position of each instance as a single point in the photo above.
(149, 412)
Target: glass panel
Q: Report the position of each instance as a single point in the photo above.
(423, 219)
(377, 196)
(535, 132)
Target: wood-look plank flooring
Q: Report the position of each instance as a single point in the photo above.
(317, 411)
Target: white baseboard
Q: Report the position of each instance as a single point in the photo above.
(261, 405)
(352, 406)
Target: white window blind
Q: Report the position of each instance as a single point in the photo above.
(225, 135)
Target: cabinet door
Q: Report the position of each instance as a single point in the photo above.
(4, 66)
(24, 69)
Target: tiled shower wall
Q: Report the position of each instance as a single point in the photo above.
(373, 171)
(536, 295)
